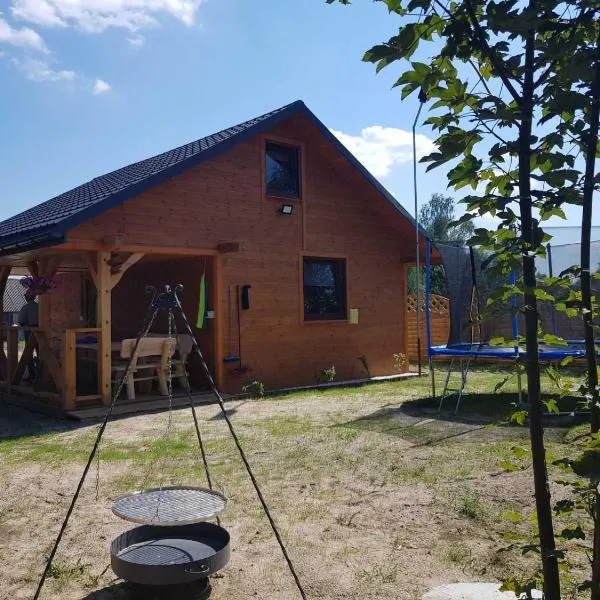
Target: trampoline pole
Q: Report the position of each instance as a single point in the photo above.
(551, 274)
(427, 295)
(418, 240)
(513, 303)
(428, 317)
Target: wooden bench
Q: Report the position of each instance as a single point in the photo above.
(155, 353)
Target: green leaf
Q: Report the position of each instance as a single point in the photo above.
(519, 417)
(508, 466)
(513, 516)
(551, 406)
(554, 340)
(543, 295)
(519, 452)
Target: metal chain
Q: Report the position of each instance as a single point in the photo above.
(190, 397)
(167, 434)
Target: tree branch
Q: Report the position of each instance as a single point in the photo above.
(502, 73)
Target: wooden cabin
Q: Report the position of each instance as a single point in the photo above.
(303, 252)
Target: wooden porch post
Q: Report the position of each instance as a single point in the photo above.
(104, 322)
(219, 304)
(4, 273)
(4, 361)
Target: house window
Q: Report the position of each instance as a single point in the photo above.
(282, 170)
(324, 289)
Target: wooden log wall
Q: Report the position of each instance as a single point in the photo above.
(340, 215)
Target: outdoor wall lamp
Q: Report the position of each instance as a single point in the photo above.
(286, 209)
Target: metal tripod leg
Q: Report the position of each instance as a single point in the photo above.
(432, 374)
(463, 381)
(446, 383)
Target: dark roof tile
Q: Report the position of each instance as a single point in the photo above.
(47, 223)
(59, 208)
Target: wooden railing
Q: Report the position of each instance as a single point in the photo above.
(60, 366)
(13, 366)
(70, 397)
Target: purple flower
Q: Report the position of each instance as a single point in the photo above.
(33, 281)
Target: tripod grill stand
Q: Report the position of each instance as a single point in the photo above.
(174, 545)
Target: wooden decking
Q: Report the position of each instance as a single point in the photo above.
(143, 404)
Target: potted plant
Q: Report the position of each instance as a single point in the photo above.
(38, 285)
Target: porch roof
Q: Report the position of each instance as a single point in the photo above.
(47, 224)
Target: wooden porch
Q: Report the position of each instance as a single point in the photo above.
(67, 362)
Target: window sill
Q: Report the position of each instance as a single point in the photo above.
(282, 198)
(326, 321)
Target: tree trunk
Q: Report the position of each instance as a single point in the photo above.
(586, 297)
(536, 428)
(586, 235)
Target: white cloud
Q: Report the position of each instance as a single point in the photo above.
(24, 38)
(94, 16)
(39, 70)
(136, 40)
(101, 87)
(381, 148)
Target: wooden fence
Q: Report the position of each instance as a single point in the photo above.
(439, 310)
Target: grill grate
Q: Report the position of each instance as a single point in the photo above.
(170, 506)
(155, 555)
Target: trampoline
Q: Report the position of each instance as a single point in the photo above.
(547, 352)
(469, 339)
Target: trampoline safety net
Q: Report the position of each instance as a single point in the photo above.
(469, 286)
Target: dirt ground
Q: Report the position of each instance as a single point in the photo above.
(375, 497)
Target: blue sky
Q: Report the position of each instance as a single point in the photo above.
(91, 86)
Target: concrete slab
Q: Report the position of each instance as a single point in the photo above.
(469, 591)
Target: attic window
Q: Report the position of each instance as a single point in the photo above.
(282, 170)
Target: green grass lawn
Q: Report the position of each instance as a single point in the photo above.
(377, 494)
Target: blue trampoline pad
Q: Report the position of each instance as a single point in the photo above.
(573, 349)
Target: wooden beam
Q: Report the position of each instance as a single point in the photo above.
(90, 259)
(219, 329)
(33, 267)
(129, 262)
(50, 265)
(104, 321)
(48, 358)
(24, 361)
(12, 354)
(69, 370)
(90, 246)
(224, 247)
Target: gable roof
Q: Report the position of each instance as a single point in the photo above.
(47, 224)
(14, 296)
